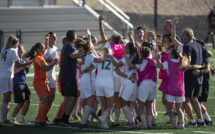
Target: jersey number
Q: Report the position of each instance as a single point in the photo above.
(107, 67)
(4, 56)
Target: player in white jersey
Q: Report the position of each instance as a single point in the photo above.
(128, 91)
(104, 85)
(51, 54)
(9, 57)
(87, 81)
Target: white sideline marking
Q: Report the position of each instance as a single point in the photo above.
(203, 132)
(108, 130)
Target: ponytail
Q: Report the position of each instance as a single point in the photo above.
(32, 52)
(183, 60)
(12, 40)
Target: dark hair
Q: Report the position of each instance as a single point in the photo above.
(200, 42)
(117, 39)
(79, 43)
(141, 27)
(133, 51)
(145, 51)
(51, 33)
(146, 44)
(32, 52)
(86, 46)
(70, 35)
(64, 40)
(170, 40)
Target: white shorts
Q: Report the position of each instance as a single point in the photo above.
(6, 85)
(176, 99)
(147, 91)
(128, 92)
(117, 81)
(87, 89)
(51, 83)
(104, 91)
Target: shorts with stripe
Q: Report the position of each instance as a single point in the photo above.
(21, 93)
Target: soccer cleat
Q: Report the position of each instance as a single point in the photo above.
(47, 119)
(65, 124)
(156, 114)
(105, 126)
(37, 124)
(166, 114)
(115, 125)
(201, 124)
(23, 121)
(56, 121)
(132, 125)
(208, 123)
(92, 119)
(101, 123)
(13, 120)
(191, 125)
(83, 126)
(6, 124)
(154, 122)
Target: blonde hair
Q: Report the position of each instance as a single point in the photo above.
(12, 40)
(23, 49)
(108, 50)
(189, 32)
(183, 60)
(153, 34)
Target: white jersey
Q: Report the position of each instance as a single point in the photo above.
(126, 70)
(51, 53)
(86, 62)
(105, 71)
(8, 59)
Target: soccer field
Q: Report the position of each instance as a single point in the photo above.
(51, 129)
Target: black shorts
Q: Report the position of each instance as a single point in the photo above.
(21, 93)
(69, 89)
(192, 90)
(205, 92)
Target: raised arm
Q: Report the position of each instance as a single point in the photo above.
(131, 40)
(47, 36)
(88, 34)
(101, 29)
(173, 34)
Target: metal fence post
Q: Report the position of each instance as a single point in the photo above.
(19, 35)
(1, 40)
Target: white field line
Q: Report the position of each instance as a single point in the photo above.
(109, 130)
(203, 132)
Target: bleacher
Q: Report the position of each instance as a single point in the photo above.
(34, 21)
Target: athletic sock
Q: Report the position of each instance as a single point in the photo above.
(132, 111)
(200, 120)
(4, 111)
(128, 114)
(143, 120)
(117, 115)
(74, 111)
(149, 121)
(105, 116)
(43, 111)
(206, 116)
(60, 111)
(86, 114)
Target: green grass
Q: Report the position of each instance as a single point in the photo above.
(161, 128)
